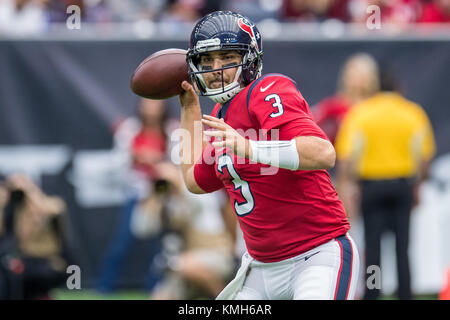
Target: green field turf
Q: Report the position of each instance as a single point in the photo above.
(61, 294)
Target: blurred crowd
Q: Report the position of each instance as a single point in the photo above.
(194, 240)
(191, 238)
(35, 16)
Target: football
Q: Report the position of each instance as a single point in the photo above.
(160, 75)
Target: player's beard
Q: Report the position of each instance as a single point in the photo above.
(216, 82)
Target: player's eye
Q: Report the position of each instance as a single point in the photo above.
(207, 58)
(234, 56)
(230, 57)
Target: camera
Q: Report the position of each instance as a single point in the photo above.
(17, 196)
(161, 186)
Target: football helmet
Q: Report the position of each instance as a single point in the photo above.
(225, 30)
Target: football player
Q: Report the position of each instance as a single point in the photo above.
(271, 158)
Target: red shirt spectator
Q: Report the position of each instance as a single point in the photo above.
(306, 10)
(358, 80)
(148, 148)
(329, 114)
(436, 12)
(397, 12)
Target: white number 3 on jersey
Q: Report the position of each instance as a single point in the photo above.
(247, 206)
(276, 104)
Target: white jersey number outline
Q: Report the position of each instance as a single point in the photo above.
(243, 208)
(277, 104)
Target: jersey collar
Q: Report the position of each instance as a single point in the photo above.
(224, 108)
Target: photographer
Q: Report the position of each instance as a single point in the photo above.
(33, 246)
(197, 248)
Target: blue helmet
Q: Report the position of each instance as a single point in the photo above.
(225, 30)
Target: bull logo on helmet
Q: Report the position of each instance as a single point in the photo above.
(248, 28)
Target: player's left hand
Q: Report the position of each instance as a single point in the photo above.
(226, 136)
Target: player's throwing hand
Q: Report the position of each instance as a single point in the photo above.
(188, 97)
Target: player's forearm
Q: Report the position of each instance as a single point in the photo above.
(192, 140)
(191, 145)
(315, 153)
(301, 153)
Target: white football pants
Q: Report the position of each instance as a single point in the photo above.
(327, 272)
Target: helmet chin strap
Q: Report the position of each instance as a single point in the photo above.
(225, 96)
(222, 95)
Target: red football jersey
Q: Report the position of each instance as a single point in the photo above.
(329, 114)
(282, 213)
